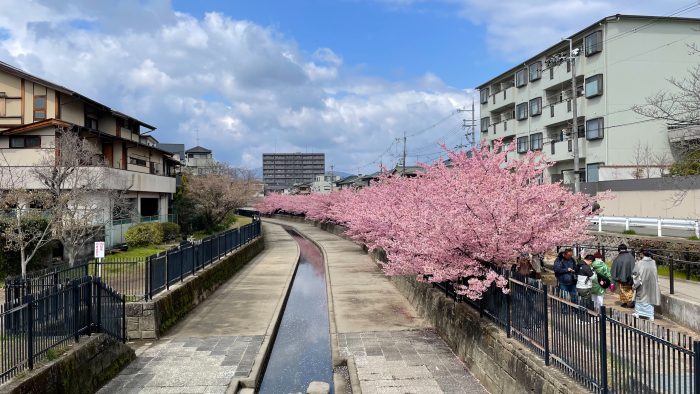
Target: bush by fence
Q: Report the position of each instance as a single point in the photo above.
(606, 351)
(44, 322)
(144, 234)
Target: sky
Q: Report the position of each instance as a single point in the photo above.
(343, 77)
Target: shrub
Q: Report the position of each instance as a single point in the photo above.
(630, 232)
(144, 234)
(171, 231)
(693, 238)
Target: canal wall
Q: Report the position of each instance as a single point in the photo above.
(151, 319)
(501, 364)
(83, 369)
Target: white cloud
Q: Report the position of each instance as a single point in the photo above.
(246, 88)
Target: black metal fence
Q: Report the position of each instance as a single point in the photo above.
(167, 268)
(37, 328)
(607, 351)
(676, 260)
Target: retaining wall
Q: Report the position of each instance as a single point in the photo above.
(151, 319)
(84, 369)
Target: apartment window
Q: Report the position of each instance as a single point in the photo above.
(39, 107)
(594, 129)
(521, 78)
(521, 111)
(568, 66)
(485, 123)
(551, 73)
(551, 147)
(536, 141)
(522, 144)
(536, 106)
(25, 141)
(137, 162)
(594, 86)
(551, 111)
(484, 95)
(594, 43)
(535, 70)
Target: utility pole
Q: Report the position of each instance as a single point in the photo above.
(472, 129)
(574, 121)
(403, 161)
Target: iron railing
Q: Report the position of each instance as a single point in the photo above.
(606, 351)
(46, 322)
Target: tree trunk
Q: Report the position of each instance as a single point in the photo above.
(23, 262)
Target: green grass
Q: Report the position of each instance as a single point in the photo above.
(137, 253)
(693, 238)
(629, 232)
(664, 271)
(231, 221)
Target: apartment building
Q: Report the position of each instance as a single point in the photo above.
(282, 170)
(33, 111)
(622, 60)
(325, 183)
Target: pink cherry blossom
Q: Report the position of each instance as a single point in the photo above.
(454, 222)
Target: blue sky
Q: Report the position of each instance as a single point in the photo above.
(343, 77)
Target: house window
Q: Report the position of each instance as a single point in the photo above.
(535, 70)
(522, 144)
(594, 43)
(521, 111)
(521, 78)
(91, 122)
(2, 104)
(485, 123)
(39, 107)
(25, 141)
(594, 129)
(594, 86)
(137, 162)
(484, 95)
(536, 106)
(536, 141)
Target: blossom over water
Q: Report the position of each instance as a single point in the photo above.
(454, 222)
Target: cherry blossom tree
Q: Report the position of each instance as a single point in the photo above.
(461, 221)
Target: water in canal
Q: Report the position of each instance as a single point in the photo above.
(302, 350)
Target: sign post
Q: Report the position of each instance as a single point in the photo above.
(99, 255)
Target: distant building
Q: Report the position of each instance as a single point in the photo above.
(178, 150)
(283, 170)
(199, 160)
(324, 183)
(348, 182)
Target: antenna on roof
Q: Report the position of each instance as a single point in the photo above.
(196, 130)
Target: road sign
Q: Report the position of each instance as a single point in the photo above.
(99, 250)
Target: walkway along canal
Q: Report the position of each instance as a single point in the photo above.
(302, 350)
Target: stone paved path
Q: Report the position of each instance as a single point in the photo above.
(221, 339)
(188, 365)
(415, 361)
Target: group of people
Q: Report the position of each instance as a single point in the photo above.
(588, 280)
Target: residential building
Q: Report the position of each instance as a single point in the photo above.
(283, 170)
(622, 60)
(348, 182)
(32, 113)
(178, 150)
(324, 183)
(199, 160)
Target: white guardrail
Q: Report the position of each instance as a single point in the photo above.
(658, 223)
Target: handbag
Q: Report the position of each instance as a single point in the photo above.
(604, 282)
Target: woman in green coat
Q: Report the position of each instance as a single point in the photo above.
(601, 270)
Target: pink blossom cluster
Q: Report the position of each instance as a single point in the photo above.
(454, 222)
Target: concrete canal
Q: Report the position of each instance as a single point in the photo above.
(302, 349)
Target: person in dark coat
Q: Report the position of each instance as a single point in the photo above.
(622, 275)
(565, 272)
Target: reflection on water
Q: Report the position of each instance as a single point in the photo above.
(302, 352)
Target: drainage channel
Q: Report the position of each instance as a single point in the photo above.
(301, 352)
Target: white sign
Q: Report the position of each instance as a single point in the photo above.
(99, 250)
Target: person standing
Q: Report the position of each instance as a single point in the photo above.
(602, 282)
(565, 272)
(622, 275)
(646, 285)
(585, 277)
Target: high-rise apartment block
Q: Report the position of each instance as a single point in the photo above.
(282, 170)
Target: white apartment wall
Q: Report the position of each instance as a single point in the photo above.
(634, 66)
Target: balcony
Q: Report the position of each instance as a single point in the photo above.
(560, 112)
(683, 134)
(502, 99)
(137, 181)
(563, 150)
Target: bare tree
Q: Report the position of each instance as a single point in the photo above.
(26, 223)
(216, 195)
(75, 178)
